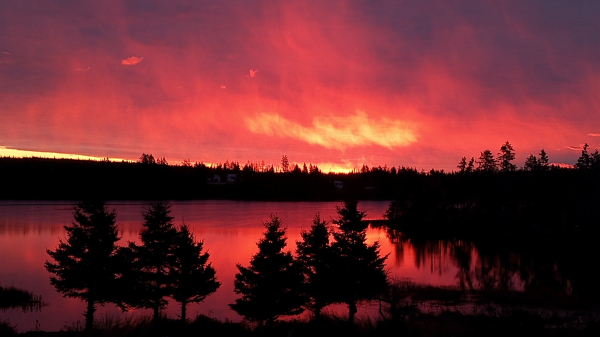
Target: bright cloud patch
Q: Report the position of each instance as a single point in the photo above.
(252, 73)
(593, 134)
(132, 60)
(337, 132)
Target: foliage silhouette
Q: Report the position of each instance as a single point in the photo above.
(193, 276)
(151, 274)
(317, 256)
(358, 268)
(505, 158)
(272, 285)
(486, 162)
(86, 263)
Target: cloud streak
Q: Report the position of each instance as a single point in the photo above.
(337, 132)
(133, 60)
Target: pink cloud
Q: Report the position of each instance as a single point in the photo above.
(593, 134)
(5, 53)
(132, 60)
(575, 148)
(223, 86)
(252, 73)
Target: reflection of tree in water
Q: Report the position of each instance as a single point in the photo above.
(12, 298)
(487, 267)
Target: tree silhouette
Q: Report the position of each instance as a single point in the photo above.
(470, 165)
(317, 256)
(462, 166)
(584, 161)
(531, 163)
(358, 268)
(271, 285)
(193, 276)
(543, 161)
(153, 260)
(86, 264)
(285, 164)
(505, 158)
(486, 162)
(146, 159)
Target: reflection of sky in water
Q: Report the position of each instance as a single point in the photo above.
(230, 230)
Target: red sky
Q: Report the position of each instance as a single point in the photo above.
(339, 84)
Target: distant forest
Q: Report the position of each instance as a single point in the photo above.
(489, 177)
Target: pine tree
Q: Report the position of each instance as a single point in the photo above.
(584, 162)
(86, 263)
(470, 165)
(462, 166)
(505, 158)
(193, 276)
(531, 163)
(153, 260)
(358, 268)
(271, 286)
(486, 162)
(285, 164)
(316, 255)
(543, 161)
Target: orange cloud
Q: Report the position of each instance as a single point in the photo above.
(337, 132)
(132, 60)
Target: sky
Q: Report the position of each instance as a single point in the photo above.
(334, 83)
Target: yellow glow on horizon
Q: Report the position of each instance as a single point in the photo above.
(16, 153)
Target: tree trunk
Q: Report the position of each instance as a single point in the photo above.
(89, 314)
(183, 310)
(352, 311)
(156, 313)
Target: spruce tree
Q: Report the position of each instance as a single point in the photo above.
(316, 255)
(194, 278)
(153, 259)
(359, 269)
(85, 264)
(505, 158)
(486, 162)
(271, 286)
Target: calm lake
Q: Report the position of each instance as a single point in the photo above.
(230, 230)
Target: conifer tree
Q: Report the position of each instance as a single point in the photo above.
(193, 276)
(271, 286)
(462, 165)
(85, 264)
(358, 268)
(153, 259)
(486, 162)
(531, 163)
(316, 255)
(584, 162)
(543, 161)
(505, 158)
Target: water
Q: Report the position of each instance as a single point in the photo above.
(230, 230)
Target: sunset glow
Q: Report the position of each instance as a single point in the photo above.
(338, 83)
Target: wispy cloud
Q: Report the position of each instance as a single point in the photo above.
(252, 73)
(82, 69)
(132, 60)
(575, 148)
(223, 86)
(5, 53)
(337, 132)
(593, 134)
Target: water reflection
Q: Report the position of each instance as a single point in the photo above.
(230, 230)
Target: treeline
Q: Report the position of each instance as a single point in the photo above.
(331, 265)
(155, 179)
